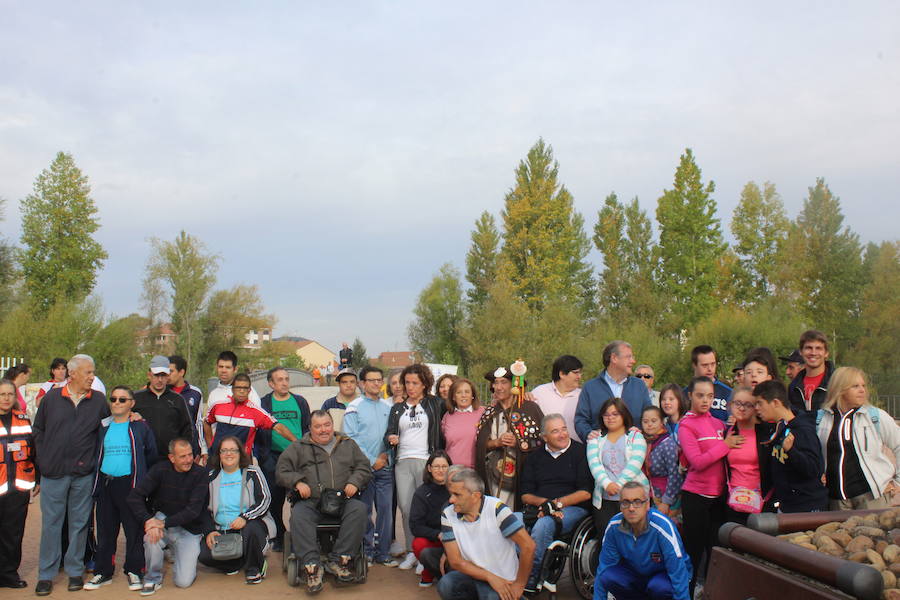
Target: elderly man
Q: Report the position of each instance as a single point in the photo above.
(557, 482)
(642, 556)
(480, 535)
(165, 411)
(65, 434)
(615, 381)
(324, 461)
(176, 491)
(646, 373)
(793, 364)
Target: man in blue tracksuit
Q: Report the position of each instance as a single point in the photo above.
(615, 381)
(642, 556)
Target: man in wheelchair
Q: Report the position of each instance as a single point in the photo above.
(326, 471)
(556, 489)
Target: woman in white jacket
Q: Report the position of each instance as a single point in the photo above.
(855, 436)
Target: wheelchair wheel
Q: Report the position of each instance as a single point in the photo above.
(584, 554)
(293, 572)
(287, 553)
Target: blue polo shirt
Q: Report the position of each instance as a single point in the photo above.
(365, 422)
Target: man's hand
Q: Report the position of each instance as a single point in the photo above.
(516, 589)
(393, 440)
(154, 530)
(613, 488)
(350, 490)
(380, 462)
(304, 490)
(135, 416)
(788, 442)
(238, 523)
(504, 588)
(211, 539)
(201, 460)
(594, 434)
(890, 489)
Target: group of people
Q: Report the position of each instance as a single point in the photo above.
(482, 488)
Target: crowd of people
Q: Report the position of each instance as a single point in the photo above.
(482, 488)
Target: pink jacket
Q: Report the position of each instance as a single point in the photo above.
(701, 438)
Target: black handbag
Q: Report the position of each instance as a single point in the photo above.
(331, 501)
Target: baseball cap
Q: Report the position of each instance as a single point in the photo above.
(159, 364)
(793, 358)
(343, 372)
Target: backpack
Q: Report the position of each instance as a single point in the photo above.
(874, 415)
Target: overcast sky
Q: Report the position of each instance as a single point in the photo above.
(336, 154)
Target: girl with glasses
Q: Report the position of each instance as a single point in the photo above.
(748, 464)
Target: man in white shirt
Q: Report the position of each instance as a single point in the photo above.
(561, 394)
(480, 536)
(226, 369)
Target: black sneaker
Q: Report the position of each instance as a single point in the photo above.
(255, 576)
(96, 581)
(76, 584)
(43, 587)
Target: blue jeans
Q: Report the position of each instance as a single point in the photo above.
(625, 584)
(459, 586)
(185, 548)
(62, 496)
(380, 494)
(544, 529)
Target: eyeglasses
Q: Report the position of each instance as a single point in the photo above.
(379, 380)
(240, 387)
(439, 467)
(632, 503)
(611, 415)
(122, 399)
(644, 376)
(228, 451)
(745, 405)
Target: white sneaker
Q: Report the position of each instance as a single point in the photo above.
(409, 562)
(96, 581)
(419, 568)
(134, 582)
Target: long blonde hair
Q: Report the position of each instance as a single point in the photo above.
(842, 380)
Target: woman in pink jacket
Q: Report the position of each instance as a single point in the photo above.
(704, 448)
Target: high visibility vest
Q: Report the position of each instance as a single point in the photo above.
(17, 454)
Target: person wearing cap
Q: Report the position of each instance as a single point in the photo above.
(507, 431)
(165, 411)
(793, 364)
(348, 391)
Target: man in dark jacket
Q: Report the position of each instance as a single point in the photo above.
(171, 503)
(615, 381)
(796, 459)
(165, 411)
(808, 389)
(322, 461)
(65, 433)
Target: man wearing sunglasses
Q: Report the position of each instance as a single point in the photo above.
(126, 449)
(645, 372)
(642, 556)
(165, 411)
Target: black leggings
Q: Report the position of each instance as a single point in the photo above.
(603, 515)
(254, 535)
(702, 518)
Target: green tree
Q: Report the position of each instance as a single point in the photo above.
(60, 255)
(690, 242)
(360, 358)
(644, 301)
(544, 243)
(482, 257)
(7, 267)
(439, 314)
(116, 354)
(823, 266)
(180, 275)
(228, 316)
(879, 346)
(760, 228)
(609, 239)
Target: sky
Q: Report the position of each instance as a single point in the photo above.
(337, 154)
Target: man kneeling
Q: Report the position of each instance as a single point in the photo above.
(642, 554)
(319, 461)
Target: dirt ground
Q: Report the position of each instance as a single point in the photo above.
(384, 582)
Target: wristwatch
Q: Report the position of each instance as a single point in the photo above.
(558, 504)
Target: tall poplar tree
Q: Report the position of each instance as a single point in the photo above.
(481, 259)
(60, 256)
(690, 243)
(544, 243)
(609, 239)
(760, 228)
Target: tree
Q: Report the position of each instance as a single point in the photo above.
(609, 239)
(439, 314)
(690, 242)
(822, 264)
(481, 259)
(228, 316)
(179, 277)
(544, 244)
(879, 345)
(61, 256)
(760, 228)
(360, 358)
(7, 267)
(116, 353)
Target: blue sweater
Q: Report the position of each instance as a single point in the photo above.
(365, 422)
(596, 391)
(719, 407)
(657, 549)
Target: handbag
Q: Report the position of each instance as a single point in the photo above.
(228, 546)
(331, 501)
(744, 500)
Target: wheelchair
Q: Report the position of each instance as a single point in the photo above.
(581, 548)
(326, 533)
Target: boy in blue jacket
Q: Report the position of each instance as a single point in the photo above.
(642, 555)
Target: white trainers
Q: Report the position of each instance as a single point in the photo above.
(96, 581)
(419, 568)
(134, 582)
(409, 562)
